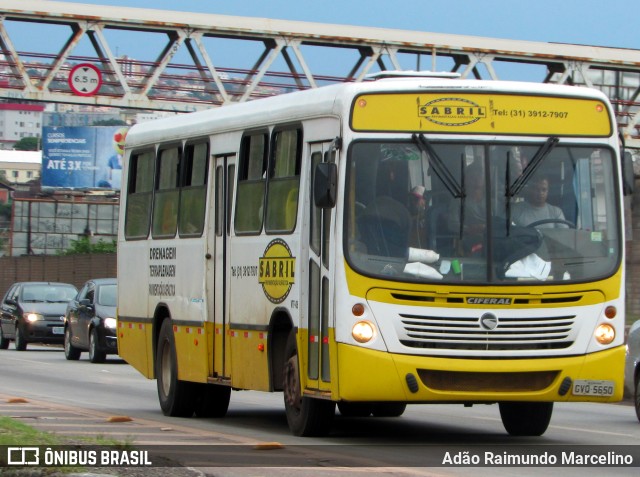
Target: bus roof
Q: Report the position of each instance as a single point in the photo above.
(325, 101)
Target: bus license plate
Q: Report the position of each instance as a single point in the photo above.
(58, 330)
(593, 388)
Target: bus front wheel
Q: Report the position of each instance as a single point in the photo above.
(306, 416)
(526, 418)
(175, 396)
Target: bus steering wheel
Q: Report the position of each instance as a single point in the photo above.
(552, 221)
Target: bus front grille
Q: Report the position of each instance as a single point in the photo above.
(486, 382)
(467, 333)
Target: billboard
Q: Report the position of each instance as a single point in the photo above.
(82, 157)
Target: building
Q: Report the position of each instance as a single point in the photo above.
(5, 194)
(20, 167)
(49, 225)
(18, 121)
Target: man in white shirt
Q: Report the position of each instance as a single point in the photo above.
(536, 208)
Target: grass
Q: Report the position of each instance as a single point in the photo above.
(15, 433)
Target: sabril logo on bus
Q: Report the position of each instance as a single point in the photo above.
(452, 111)
(276, 271)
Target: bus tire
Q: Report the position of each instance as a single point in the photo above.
(355, 409)
(306, 416)
(211, 400)
(526, 418)
(389, 409)
(175, 396)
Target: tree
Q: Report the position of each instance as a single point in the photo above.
(84, 245)
(5, 211)
(110, 122)
(28, 144)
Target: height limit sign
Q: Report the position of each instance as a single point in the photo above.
(85, 79)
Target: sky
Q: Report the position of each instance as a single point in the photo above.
(589, 22)
(608, 23)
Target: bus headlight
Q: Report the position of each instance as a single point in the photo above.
(110, 323)
(605, 334)
(31, 317)
(363, 331)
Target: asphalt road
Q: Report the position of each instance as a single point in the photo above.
(113, 400)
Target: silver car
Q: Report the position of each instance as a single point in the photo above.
(632, 367)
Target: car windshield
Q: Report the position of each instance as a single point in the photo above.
(48, 293)
(107, 295)
(478, 212)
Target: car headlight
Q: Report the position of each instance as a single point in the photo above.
(110, 323)
(31, 317)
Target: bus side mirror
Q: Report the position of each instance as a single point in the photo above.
(325, 183)
(628, 176)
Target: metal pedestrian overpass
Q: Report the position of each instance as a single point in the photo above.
(92, 55)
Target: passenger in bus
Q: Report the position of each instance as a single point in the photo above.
(417, 208)
(536, 208)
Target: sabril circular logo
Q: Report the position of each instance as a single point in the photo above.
(452, 111)
(276, 271)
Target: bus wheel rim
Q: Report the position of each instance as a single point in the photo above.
(292, 388)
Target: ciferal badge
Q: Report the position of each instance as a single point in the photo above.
(276, 271)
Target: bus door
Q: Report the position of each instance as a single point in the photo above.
(218, 257)
(320, 282)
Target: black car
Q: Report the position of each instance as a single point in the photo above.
(33, 312)
(90, 321)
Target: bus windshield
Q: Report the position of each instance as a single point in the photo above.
(475, 212)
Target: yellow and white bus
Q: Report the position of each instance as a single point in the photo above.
(420, 239)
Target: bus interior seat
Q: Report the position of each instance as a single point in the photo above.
(440, 237)
(385, 227)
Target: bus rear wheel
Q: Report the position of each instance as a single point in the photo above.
(306, 416)
(175, 396)
(526, 418)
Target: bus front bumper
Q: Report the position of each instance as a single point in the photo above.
(367, 375)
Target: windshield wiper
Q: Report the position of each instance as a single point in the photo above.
(438, 166)
(444, 174)
(528, 171)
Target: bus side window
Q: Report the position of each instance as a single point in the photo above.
(165, 200)
(193, 190)
(139, 194)
(284, 181)
(251, 184)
